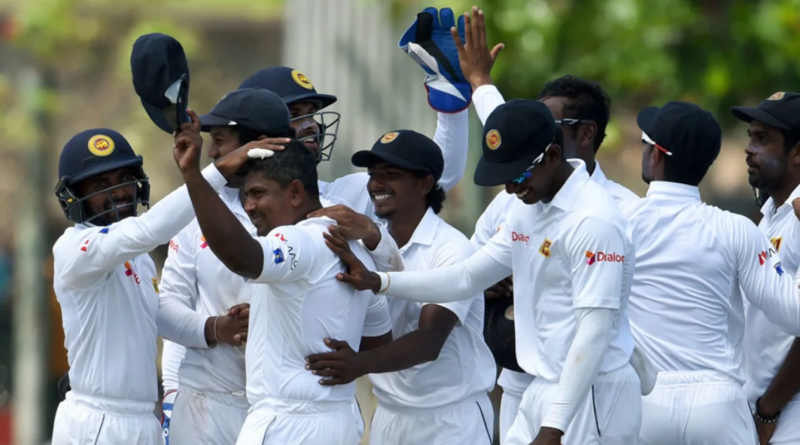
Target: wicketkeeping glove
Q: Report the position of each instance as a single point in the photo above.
(428, 41)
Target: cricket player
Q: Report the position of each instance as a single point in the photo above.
(771, 354)
(432, 381)
(197, 291)
(571, 256)
(581, 109)
(295, 298)
(106, 285)
(183, 286)
(686, 307)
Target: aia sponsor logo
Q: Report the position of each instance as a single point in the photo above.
(764, 255)
(599, 257)
(521, 237)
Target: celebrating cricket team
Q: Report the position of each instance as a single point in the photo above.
(615, 319)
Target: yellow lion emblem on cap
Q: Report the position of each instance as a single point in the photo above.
(389, 137)
(301, 79)
(777, 96)
(101, 145)
(493, 139)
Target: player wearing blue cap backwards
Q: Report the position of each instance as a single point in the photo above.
(106, 283)
(191, 268)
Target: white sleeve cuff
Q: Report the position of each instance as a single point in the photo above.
(214, 177)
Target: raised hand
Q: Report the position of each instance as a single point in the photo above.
(473, 51)
(358, 275)
(230, 164)
(188, 145)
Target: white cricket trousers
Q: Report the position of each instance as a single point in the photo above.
(88, 420)
(467, 422)
(206, 418)
(611, 413)
(788, 430)
(697, 408)
(509, 405)
(289, 422)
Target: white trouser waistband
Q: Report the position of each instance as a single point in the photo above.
(428, 411)
(300, 407)
(677, 378)
(111, 406)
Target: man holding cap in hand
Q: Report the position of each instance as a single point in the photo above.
(772, 355)
(569, 252)
(686, 307)
(432, 381)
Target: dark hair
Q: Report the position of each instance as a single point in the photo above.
(690, 172)
(587, 100)
(435, 198)
(247, 135)
(790, 139)
(294, 163)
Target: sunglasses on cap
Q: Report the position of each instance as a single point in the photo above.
(646, 140)
(528, 173)
(177, 94)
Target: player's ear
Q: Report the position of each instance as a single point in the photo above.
(425, 185)
(296, 193)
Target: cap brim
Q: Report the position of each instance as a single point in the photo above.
(749, 114)
(157, 116)
(366, 158)
(209, 120)
(646, 119)
(490, 174)
(325, 100)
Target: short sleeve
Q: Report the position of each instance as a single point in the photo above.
(596, 252)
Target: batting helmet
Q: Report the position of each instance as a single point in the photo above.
(292, 86)
(92, 152)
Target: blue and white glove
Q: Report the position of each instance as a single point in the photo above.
(428, 41)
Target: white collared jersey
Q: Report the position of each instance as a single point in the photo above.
(766, 344)
(295, 304)
(107, 287)
(571, 253)
(686, 307)
(452, 137)
(465, 366)
(493, 217)
(196, 285)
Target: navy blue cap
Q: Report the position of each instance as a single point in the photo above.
(157, 63)
(685, 132)
(95, 151)
(781, 110)
(291, 85)
(405, 149)
(515, 134)
(259, 110)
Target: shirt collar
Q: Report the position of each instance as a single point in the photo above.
(673, 190)
(769, 207)
(598, 176)
(425, 232)
(569, 191)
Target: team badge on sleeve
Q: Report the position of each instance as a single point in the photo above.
(278, 254)
(101, 145)
(778, 268)
(776, 243)
(155, 285)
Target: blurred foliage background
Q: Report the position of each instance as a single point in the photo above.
(64, 67)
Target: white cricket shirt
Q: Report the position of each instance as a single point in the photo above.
(106, 286)
(493, 218)
(465, 366)
(196, 285)
(765, 344)
(452, 137)
(295, 304)
(686, 308)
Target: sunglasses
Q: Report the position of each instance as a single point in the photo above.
(177, 94)
(648, 141)
(528, 173)
(571, 122)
